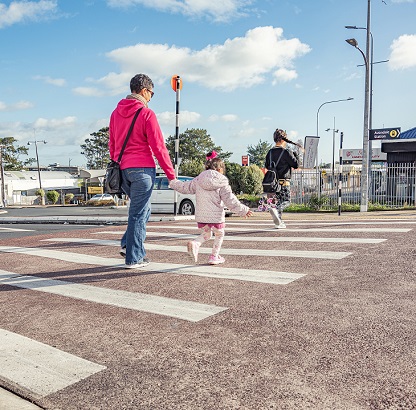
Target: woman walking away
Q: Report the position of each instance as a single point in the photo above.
(212, 191)
(282, 160)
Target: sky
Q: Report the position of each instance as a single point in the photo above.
(247, 68)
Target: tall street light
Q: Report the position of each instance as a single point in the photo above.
(372, 62)
(317, 122)
(37, 160)
(364, 170)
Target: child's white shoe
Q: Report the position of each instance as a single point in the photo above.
(193, 249)
(215, 260)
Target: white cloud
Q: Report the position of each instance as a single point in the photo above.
(224, 118)
(20, 105)
(241, 62)
(59, 82)
(168, 118)
(88, 91)
(21, 11)
(403, 54)
(217, 10)
(284, 75)
(403, 1)
(54, 124)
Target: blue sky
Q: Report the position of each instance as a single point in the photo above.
(248, 67)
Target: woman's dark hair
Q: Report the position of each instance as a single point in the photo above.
(140, 81)
(280, 135)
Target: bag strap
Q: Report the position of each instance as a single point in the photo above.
(278, 160)
(128, 134)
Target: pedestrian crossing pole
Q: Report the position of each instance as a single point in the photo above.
(176, 83)
(340, 173)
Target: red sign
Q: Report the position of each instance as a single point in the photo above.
(245, 161)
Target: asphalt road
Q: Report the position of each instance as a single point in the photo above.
(321, 315)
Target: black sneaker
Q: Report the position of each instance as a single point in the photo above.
(123, 252)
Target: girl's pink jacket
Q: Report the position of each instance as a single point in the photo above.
(212, 191)
(146, 139)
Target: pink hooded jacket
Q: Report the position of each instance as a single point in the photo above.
(145, 140)
(212, 191)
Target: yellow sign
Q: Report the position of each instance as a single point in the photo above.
(95, 190)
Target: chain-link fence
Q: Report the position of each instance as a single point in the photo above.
(391, 185)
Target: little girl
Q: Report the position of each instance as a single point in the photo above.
(212, 191)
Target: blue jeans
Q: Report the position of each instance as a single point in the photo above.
(138, 185)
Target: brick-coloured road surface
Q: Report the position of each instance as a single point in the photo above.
(321, 315)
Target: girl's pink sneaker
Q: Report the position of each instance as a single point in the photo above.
(215, 260)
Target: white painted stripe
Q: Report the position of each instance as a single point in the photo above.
(15, 230)
(255, 238)
(220, 272)
(191, 311)
(40, 368)
(224, 251)
(294, 222)
(251, 229)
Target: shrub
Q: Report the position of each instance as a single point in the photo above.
(69, 197)
(52, 196)
(251, 180)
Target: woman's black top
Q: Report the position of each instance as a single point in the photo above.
(287, 161)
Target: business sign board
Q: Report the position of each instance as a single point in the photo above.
(311, 149)
(245, 161)
(357, 155)
(385, 134)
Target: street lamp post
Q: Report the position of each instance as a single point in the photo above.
(317, 134)
(370, 104)
(37, 161)
(334, 131)
(364, 170)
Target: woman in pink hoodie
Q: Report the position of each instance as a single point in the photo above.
(213, 192)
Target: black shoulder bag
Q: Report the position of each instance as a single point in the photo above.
(112, 182)
(271, 180)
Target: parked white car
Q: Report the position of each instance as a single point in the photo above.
(163, 197)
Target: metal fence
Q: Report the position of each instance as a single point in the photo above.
(391, 185)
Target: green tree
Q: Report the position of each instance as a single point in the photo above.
(52, 196)
(194, 144)
(251, 180)
(192, 167)
(233, 173)
(257, 153)
(10, 155)
(95, 149)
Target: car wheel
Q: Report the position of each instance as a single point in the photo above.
(186, 207)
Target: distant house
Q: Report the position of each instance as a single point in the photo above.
(19, 187)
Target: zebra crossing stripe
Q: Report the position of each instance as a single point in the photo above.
(257, 229)
(15, 230)
(180, 309)
(40, 368)
(218, 272)
(255, 238)
(224, 251)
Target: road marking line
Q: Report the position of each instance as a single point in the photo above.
(40, 368)
(218, 272)
(294, 222)
(255, 238)
(191, 311)
(224, 251)
(248, 229)
(16, 230)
